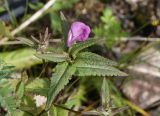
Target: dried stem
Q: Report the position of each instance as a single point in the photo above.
(34, 17)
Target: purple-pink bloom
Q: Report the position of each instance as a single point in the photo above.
(78, 32)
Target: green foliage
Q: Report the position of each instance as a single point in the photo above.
(4, 31)
(59, 71)
(90, 70)
(111, 96)
(84, 64)
(20, 91)
(65, 28)
(110, 29)
(75, 99)
(95, 66)
(7, 98)
(38, 86)
(64, 4)
(53, 57)
(82, 45)
(56, 111)
(26, 41)
(59, 84)
(22, 58)
(117, 99)
(11, 15)
(2, 9)
(5, 69)
(54, 13)
(79, 64)
(36, 6)
(94, 58)
(55, 21)
(105, 94)
(10, 96)
(107, 101)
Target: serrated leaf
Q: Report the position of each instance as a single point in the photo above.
(98, 71)
(62, 81)
(93, 58)
(82, 45)
(8, 103)
(87, 68)
(53, 57)
(7, 98)
(22, 58)
(5, 69)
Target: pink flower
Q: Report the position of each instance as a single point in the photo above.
(78, 32)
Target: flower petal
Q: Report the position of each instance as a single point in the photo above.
(69, 40)
(78, 32)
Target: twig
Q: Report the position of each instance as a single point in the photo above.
(145, 69)
(34, 17)
(140, 39)
(30, 20)
(12, 43)
(19, 42)
(65, 108)
(136, 108)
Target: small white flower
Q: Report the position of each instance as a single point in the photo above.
(40, 100)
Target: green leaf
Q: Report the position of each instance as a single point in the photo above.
(59, 71)
(3, 85)
(65, 27)
(38, 86)
(20, 89)
(4, 30)
(53, 57)
(110, 28)
(82, 45)
(26, 41)
(105, 94)
(93, 58)
(7, 98)
(20, 113)
(98, 71)
(56, 111)
(9, 103)
(55, 21)
(22, 58)
(2, 9)
(29, 105)
(76, 98)
(5, 69)
(36, 6)
(87, 68)
(61, 82)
